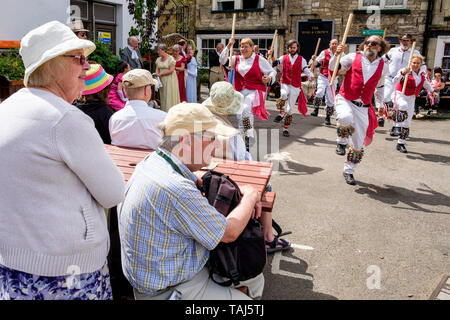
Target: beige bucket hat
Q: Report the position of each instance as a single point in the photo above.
(224, 99)
(47, 42)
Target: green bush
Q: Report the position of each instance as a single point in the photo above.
(11, 64)
(203, 75)
(104, 56)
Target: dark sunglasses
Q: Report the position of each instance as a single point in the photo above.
(82, 58)
(82, 34)
(372, 43)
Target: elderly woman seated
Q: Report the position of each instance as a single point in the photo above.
(53, 231)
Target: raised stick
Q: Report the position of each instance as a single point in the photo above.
(384, 34)
(232, 36)
(344, 40)
(315, 53)
(409, 66)
(269, 58)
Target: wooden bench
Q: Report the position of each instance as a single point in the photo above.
(254, 173)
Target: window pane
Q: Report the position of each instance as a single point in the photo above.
(447, 49)
(225, 5)
(446, 63)
(251, 4)
(210, 43)
(104, 12)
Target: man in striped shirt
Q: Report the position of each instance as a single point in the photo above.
(167, 228)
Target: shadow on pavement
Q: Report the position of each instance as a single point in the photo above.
(423, 140)
(288, 285)
(428, 157)
(394, 195)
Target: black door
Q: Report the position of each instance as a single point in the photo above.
(308, 32)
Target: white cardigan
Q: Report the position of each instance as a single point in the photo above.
(56, 178)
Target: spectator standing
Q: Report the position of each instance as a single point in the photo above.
(136, 124)
(191, 83)
(437, 85)
(53, 230)
(165, 247)
(165, 70)
(96, 99)
(180, 67)
(78, 28)
(132, 55)
(216, 70)
(117, 97)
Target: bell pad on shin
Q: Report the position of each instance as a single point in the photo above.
(281, 103)
(288, 120)
(246, 123)
(404, 134)
(355, 156)
(345, 132)
(401, 116)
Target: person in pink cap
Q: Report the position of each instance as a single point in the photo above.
(117, 97)
(96, 103)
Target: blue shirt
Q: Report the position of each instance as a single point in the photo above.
(167, 227)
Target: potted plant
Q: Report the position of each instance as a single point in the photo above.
(11, 72)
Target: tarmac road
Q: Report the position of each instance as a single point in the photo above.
(387, 237)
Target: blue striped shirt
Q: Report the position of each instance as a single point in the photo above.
(167, 227)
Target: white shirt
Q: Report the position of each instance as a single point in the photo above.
(398, 60)
(305, 68)
(136, 126)
(246, 64)
(321, 57)
(134, 54)
(368, 69)
(417, 78)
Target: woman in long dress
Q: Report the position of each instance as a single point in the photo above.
(191, 82)
(165, 70)
(180, 67)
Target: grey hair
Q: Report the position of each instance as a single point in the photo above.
(130, 38)
(162, 47)
(176, 47)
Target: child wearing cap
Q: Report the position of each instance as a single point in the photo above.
(95, 102)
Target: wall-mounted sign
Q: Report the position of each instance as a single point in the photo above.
(372, 32)
(309, 31)
(104, 37)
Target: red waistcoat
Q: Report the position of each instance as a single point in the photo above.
(292, 74)
(353, 86)
(324, 67)
(252, 79)
(411, 88)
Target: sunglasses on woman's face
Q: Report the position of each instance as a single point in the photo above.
(81, 58)
(372, 43)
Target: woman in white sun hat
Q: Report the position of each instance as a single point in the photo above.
(225, 101)
(53, 232)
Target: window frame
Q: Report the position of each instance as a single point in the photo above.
(104, 5)
(383, 6)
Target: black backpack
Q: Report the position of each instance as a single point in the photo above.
(244, 258)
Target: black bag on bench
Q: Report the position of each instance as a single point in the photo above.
(244, 258)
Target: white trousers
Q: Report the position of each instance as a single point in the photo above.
(405, 103)
(289, 93)
(388, 89)
(349, 114)
(251, 98)
(324, 89)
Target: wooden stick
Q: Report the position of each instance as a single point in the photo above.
(315, 53)
(344, 40)
(384, 34)
(232, 36)
(269, 58)
(409, 66)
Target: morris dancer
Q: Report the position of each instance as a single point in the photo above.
(397, 58)
(323, 81)
(355, 115)
(291, 85)
(250, 77)
(405, 102)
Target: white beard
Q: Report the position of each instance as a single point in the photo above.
(404, 48)
(369, 53)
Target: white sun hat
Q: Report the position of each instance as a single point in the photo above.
(47, 42)
(224, 99)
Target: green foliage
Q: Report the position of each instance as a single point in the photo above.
(11, 65)
(145, 17)
(203, 74)
(104, 56)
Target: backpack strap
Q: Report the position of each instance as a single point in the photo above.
(278, 229)
(227, 256)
